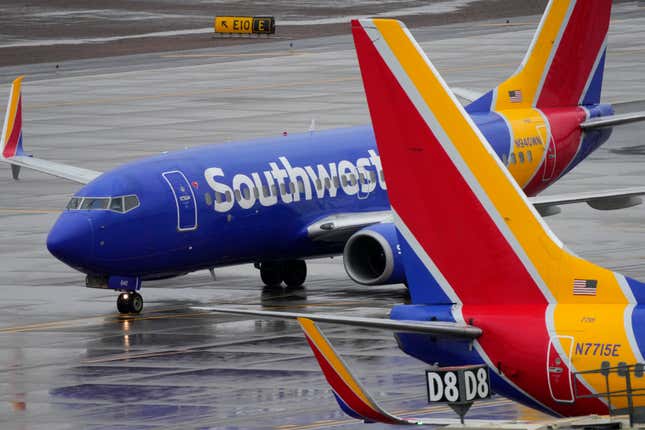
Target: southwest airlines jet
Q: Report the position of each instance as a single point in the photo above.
(490, 284)
(277, 201)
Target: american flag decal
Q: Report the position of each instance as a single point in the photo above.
(584, 287)
(515, 96)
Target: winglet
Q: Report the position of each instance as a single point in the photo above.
(350, 394)
(11, 139)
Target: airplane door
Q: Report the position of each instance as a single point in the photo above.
(551, 155)
(559, 369)
(184, 199)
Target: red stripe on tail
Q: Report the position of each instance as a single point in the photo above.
(576, 55)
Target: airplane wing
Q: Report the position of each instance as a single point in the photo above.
(600, 200)
(350, 394)
(12, 151)
(436, 328)
(339, 227)
(353, 399)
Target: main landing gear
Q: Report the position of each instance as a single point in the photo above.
(129, 302)
(293, 273)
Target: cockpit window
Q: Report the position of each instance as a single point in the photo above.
(116, 204)
(131, 202)
(95, 203)
(74, 203)
(120, 204)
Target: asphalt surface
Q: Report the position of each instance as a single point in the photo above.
(68, 360)
(58, 31)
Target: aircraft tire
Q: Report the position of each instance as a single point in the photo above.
(271, 275)
(294, 273)
(123, 304)
(136, 303)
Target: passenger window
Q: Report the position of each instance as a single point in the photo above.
(292, 187)
(116, 204)
(521, 156)
(372, 176)
(327, 183)
(229, 197)
(336, 182)
(246, 193)
(274, 189)
(513, 160)
(380, 173)
(218, 197)
(301, 186)
(208, 199)
(74, 203)
(362, 179)
(283, 189)
(529, 156)
(95, 203)
(343, 180)
(505, 159)
(318, 184)
(256, 193)
(265, 191)
(352, 179)
(130, 202)
(238, 197)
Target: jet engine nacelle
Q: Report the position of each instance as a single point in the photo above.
(372, 256)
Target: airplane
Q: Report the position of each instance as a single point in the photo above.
(490, 283)
(277, 201)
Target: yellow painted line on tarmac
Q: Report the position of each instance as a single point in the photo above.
(238, 55)
(98, 320)
(504, 24)
(156, 314)
(122, 357)
(48, 325)
(235, 90)
(30, 211)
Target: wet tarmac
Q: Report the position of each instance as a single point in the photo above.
(58, 31)
(68, 360)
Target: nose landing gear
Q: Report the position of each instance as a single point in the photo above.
(129, 302)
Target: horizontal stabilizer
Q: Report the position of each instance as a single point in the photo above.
(466, 94)
(614, 120)
(436, 328)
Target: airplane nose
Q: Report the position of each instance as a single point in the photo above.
(71, 238)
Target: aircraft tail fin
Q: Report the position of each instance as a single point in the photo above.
(564, 64)
(353, 399)
(11, 139)
(455, 205)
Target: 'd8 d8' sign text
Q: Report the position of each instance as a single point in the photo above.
(458, 384)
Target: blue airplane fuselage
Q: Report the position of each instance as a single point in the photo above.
(240, 202)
